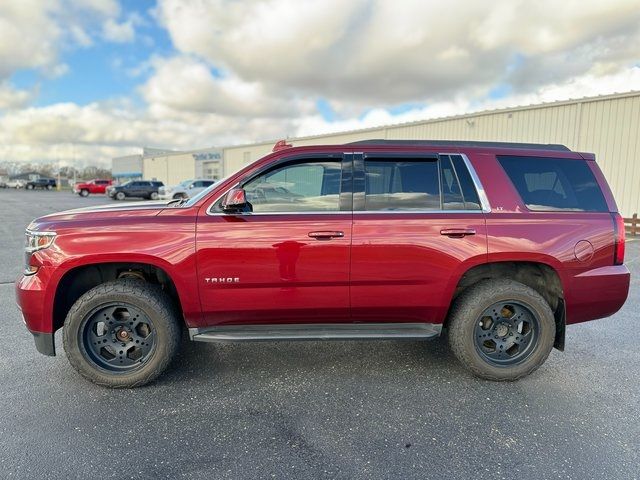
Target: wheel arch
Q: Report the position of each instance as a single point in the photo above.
(80, 278)
(541, 276)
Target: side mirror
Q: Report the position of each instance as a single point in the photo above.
(235, 201)
(192, 186)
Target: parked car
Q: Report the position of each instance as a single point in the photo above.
(498, 246)
(3, 184)
(84, 189)
(41, 183)
(135, 188)
(186, 189)
(16, 184)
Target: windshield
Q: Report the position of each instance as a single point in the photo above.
(195, 199)
(186, 183)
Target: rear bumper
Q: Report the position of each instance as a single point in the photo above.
(598, 293)
(32, 301)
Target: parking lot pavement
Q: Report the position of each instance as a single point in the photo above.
(321, 409)
(18, 208)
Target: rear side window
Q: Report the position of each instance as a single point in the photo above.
(458, 191)
(550, 184)
(402, 184)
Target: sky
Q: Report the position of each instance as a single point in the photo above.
(82, 81)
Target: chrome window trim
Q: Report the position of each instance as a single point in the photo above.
(482, 194)
(484, 201)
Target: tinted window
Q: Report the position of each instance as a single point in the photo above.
(554, 184)
(402, 185)
(300, 187)
(471, 200)
(452, 198)
(207, 183)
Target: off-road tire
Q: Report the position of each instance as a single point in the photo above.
(466, 312)
(146, 297)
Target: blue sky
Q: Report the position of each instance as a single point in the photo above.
(103, 70)
(98, 78)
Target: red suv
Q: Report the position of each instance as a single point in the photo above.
(92, 186)
(500, 246)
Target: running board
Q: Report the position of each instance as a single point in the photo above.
(319, 331)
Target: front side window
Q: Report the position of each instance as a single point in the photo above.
(407, 184)
(310, 186)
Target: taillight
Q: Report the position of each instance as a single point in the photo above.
(618, 253)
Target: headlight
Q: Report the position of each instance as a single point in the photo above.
(36, 241)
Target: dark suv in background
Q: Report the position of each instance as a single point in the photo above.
(41, 183)
(136, 189)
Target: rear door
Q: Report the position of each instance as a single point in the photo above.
(418, 224)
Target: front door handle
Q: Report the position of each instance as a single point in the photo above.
(457, 232)
(326, 235)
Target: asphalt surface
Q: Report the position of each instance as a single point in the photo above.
(317, 409)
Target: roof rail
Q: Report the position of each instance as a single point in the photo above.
(464, 143)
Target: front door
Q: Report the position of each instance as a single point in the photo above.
(418, 223)
(286, 260)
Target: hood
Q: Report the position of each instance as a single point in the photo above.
(129, 209)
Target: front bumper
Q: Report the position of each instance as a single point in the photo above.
(32, 301)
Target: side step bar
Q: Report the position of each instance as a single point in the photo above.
(320, 331)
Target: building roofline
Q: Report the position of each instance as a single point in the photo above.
(481, 113)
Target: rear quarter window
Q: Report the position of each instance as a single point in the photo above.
(554, 184)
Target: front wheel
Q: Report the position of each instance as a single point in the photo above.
(120, 196)
(49, 187)
(29, 187)
(84, 192)
(501, 330)
(121, 334)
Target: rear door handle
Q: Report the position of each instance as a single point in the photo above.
(457, 232)
(326, 235)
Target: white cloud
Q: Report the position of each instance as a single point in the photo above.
(253, 70)
(32, 32)
(384, 52)
(11, 98)
(121, 32)
(185, 84)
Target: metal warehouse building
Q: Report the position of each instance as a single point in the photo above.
(608, 126)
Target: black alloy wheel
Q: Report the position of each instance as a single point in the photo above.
(506, 333)
(118, 337)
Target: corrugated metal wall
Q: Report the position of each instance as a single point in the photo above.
(608, 126)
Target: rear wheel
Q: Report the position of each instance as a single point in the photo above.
(121, 334)
(29, 187)
(153, 196)
(501, 329)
